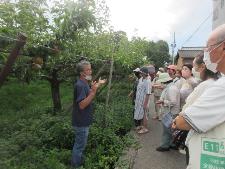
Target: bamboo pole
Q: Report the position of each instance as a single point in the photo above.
(110, 81)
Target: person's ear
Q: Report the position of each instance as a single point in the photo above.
(203, 66)
(82, 73)
(224, 45)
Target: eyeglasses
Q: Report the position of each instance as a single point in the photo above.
(211, 46)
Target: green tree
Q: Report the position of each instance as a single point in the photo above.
(55, 34)
(62, 31)
(158, 53)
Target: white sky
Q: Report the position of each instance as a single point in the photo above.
(158, 19)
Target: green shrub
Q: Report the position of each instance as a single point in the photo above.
(34, 138)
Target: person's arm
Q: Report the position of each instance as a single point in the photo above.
(148, 88)
(86, 101)
(207, 112)
(158, 86)
(131, 94)
(145, 106)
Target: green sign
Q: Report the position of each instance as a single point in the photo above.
(212, 154)
(211, 146)
(212, 162)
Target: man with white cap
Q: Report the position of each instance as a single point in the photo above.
(132, 94)
(206, 117)
(142, 99)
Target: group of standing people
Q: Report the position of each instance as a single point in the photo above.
(195, 99)
(204, 115)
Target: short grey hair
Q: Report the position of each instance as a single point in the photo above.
(221, 34)
(81, 64)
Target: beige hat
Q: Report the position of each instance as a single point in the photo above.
(164, 77)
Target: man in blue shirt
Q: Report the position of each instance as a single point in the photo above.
(82, 110)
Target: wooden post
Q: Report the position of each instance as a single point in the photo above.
(12, 57)
(110, 82)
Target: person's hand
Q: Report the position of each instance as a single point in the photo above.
(94, 86)
(101, 81)
(158, 86)
(174, 125)
(146, 108)
(166, 102)
(130, 95)
(159, 102)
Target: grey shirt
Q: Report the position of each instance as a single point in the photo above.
(171, 99)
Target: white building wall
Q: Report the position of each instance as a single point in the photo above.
(218, 13)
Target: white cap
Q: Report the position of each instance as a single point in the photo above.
(136, 70)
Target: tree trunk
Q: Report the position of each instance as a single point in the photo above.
(55, 83)
(12, 57)
(56, 96)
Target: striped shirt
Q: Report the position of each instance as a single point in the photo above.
(144, 88)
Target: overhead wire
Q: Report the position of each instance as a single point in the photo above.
(197, 29)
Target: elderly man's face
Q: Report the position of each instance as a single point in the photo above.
(87, 70)
(215, 49)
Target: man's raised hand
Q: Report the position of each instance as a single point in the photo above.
(101, 81)
(94, 86)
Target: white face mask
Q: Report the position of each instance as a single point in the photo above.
(196, 74)
(209, 65)
(87, 77)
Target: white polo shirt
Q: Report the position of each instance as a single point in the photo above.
(207, 118)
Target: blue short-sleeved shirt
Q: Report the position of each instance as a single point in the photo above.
(81, 118)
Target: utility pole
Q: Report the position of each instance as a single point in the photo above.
(173, 45)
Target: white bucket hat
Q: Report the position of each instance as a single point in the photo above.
(136, 70)
(164, 77)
